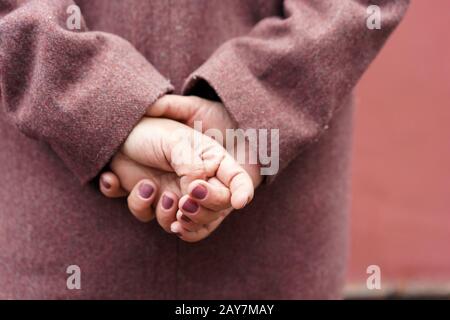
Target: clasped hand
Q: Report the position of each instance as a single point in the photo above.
(184, 178)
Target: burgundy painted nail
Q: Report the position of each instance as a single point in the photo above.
(190, 206)
(199, 192)
(145, 190)
(185, 218)
(105, 183)
(167, 202)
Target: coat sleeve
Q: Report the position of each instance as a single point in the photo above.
(291, 72)
(81, 92)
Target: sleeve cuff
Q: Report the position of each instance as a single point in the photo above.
(248, 102)
(95, 141)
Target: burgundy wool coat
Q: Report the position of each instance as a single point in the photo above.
(69, 98)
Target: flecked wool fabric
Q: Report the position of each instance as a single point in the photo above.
(69, 98)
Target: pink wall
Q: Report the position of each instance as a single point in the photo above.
(401, 166)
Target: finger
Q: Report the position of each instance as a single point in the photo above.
(175, 107)
(110, 185)
(238, 180)
(194, 236)
(198, 214)
(141, 199)
(212, 195)
(188, 162)
(131, 172)
(187, 223)
(166, 210)
(242, 190)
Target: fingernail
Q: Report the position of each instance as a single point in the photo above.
(190, 206)
(105, 183)
(145, 190)
(199, 192)
(185, 218)
(167, 202)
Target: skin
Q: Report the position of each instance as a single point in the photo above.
(148, 157)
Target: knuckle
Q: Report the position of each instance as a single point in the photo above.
(219, 203)
(135, 205)
(200, 219)
(205, 217)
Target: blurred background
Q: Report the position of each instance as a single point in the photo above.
(401, 161)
